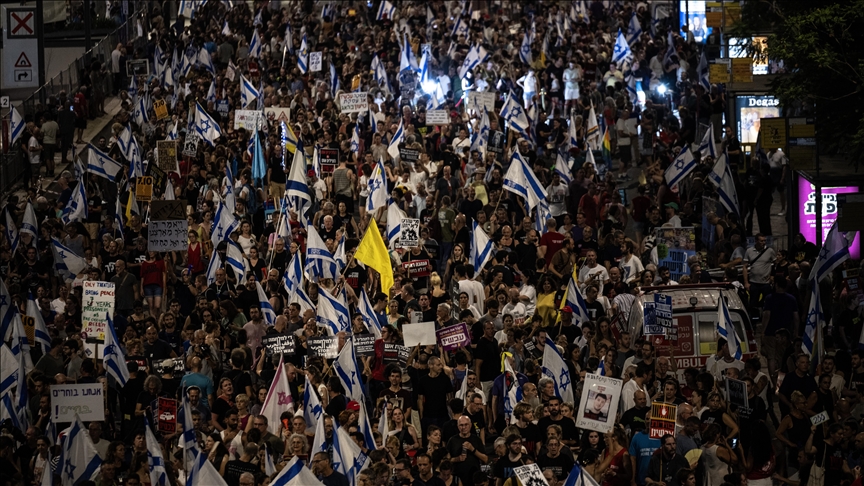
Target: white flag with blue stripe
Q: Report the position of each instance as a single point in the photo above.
(312, 409)
(174, 133)
(206, 61)
(578, 477)
(255, 45)
(348, 458)
(332, 312)
(377, 183)
(621, 52)
(292, 279)
(554, 367)
(398, 138)
(525, 51)
(834, 251)
(76, 209)
(576, 302)
(515, 115)
(206, 126)
(394, 224)
(319, 261)
(721, 176)
(224, 224)
(29, 224)
(355, 139)
(79, 460)
(386, 9)
(155, 460)
(40, 333)
(345, 367)
(814, 320)
(543, 214)
(8, 370)
(634, 30)
(211, 93)
(235, 260)
(303, 56)
(16, 125)
(340, 255)
(707, 145)
(115, 359)
(680, 168)
(101, 164)
(334, 80)
(563, 169)
(296, 189)
(11, 231)
(481, 248)
(726, 329)
(480, 137)
(65, 260)
(702, 72)
(215, 264)
(295, 473)
(140, 113)
(248, 93)
(367, 312)
(522, 181)
(365, 426)
(226, 30)
(266, 307)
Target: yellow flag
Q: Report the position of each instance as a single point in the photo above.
(372, 252)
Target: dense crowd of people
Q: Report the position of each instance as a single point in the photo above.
(194, 325)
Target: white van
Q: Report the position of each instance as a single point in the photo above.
(694, 314)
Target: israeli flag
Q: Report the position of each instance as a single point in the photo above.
(834, 251)
(348, 458)
(385, 9)
(680, 168)
(236, 261)
(225, 225)
(115, 359)
(515, 115)
(721, 176)
(155, 460)
(215, 264)
(174, 133)
(563, 169)
(514, 392)
(79, 460)
(398, 138)
(525, 51)
(292, 279)
(579, 478)
(7, 411)
(40, 330)
(543, 215)
(365, 427)
(592, 133)
(367, 312)
(11, 231)
(187, 8)
(634, 30)
(255, 46)
(621, 52)
(394, 224)
(460, 27)
(373, 123)
(211, 93)
(295, 473)
(312, 409)
(266, 307)
(707, 146)
(302, 57)
(258, 20)
(576, 302)
(355, 139)
(554, 367)
(206, 126)
(339, 256)
(480, 137)
(101, 164)
(296, 189)
(377, 184)
(248, 93)
(8, 370)
(228, 196)
(334, 81)
(319, 261)
(522, 181)
(206, 61)
(346, 369)
(29, 225)
(16, 125)
(226, 30)
(332, 312)
(726, 329)
(76, 208)
(702, 72)
(118, 216)
(481, 248)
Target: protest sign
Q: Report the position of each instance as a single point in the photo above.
(662, 419)
(277, 113)
(599, 403)
(454, 337)
(97, 302)
(178, 367)
(171, 235)
(650, 321)
(276, 345)
(223, 108)
(364, 345)
(395, 353)
(736, 392)
(530, 475)
(479, 101)
(29, 328)
(166, 155)
(329, 159)
(663, 310)
(248, 119)
(159, 177)
(315, 61)
(410, 236)
(354, 102)
(409, 155)
(437, 117)
(674, 247)
(819, 418)
(165, 210)
(144, 188)
(167, 416)
(161, 109)
(422, 333)
(190, 145)
(325, 347)
(417, 268)
(85, 399)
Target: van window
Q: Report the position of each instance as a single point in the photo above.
(708, 332)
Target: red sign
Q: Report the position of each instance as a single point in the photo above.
(662, 420)
(167, 417)
(253, 68)
(417, 268)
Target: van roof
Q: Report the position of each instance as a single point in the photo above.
(706, 295)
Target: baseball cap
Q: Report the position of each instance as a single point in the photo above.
(671, 205)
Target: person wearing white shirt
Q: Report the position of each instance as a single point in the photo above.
(717, 364)
(630, 264)
(672, 214)
(571, 83)
(557, 193)
(592, 271)
(475, 295)
(528, 83)
(472, 387)
(461, 141)
(515, 308)
(637, 383)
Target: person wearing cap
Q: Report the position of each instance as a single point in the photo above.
(672, 214)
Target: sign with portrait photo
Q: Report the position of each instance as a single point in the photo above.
(599, 403)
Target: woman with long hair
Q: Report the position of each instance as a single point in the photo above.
(717, 456)
(435, 446)
(232, 319)
(759, 459)
(246, 240)
(457, 257)
(393, 312)
(716, 414)
(438, 294)
(615, 468)
(222, 404)
(218, 453)
(592, 440)
(405, 432)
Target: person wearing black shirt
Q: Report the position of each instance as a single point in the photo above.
(426, 308)
(555, 417)
(553, 459)
(237, 468)
(487, 357)
(466, 451)
(338, 402)
(801, 380)
(638, 413)
(504, 467)
(322, 468)
(433, 389)
(155, 349)
(531, 436)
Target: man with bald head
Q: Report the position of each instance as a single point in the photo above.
(155, 349)
(639, 412)
(198, 379)
(466, 451)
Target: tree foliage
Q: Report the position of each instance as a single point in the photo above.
(821, 43)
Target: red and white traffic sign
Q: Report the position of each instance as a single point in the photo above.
(23, 61)
(23, 23)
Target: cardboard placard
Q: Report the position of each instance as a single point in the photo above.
(165, 210)
(325, 347)
(599, 403)
(315, 59)
(417, 268)
(278, 114)
(223, 108)
(479, 101)
(248, 119)
(437, 117)
(159, 178)
(167, 415)
(409, 155)
(819, 418)
(85, 399)
(169, 235)
(329, 159)
(279, 345)
(410, 236)
(422, 333)
(161, 109)
(166, 155)
(364, 345)
(178, 368)
(190, 144)
(736, 392)
(454, 337)
(354, 102)
(97, 302)
(530, 475)
(144, 188)
(662, 419)
(395, 353)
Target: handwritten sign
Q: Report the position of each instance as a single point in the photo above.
(364, 345)
(315, 61)
(454, 337)
(276, 345)
(248, 119)
(167, 416)
(144, 188)
(325, 347)
(97, 302)
(819, 418)
(170, 235)
(479, 101)
(437, 117)
(354, 102)
(85, 399)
